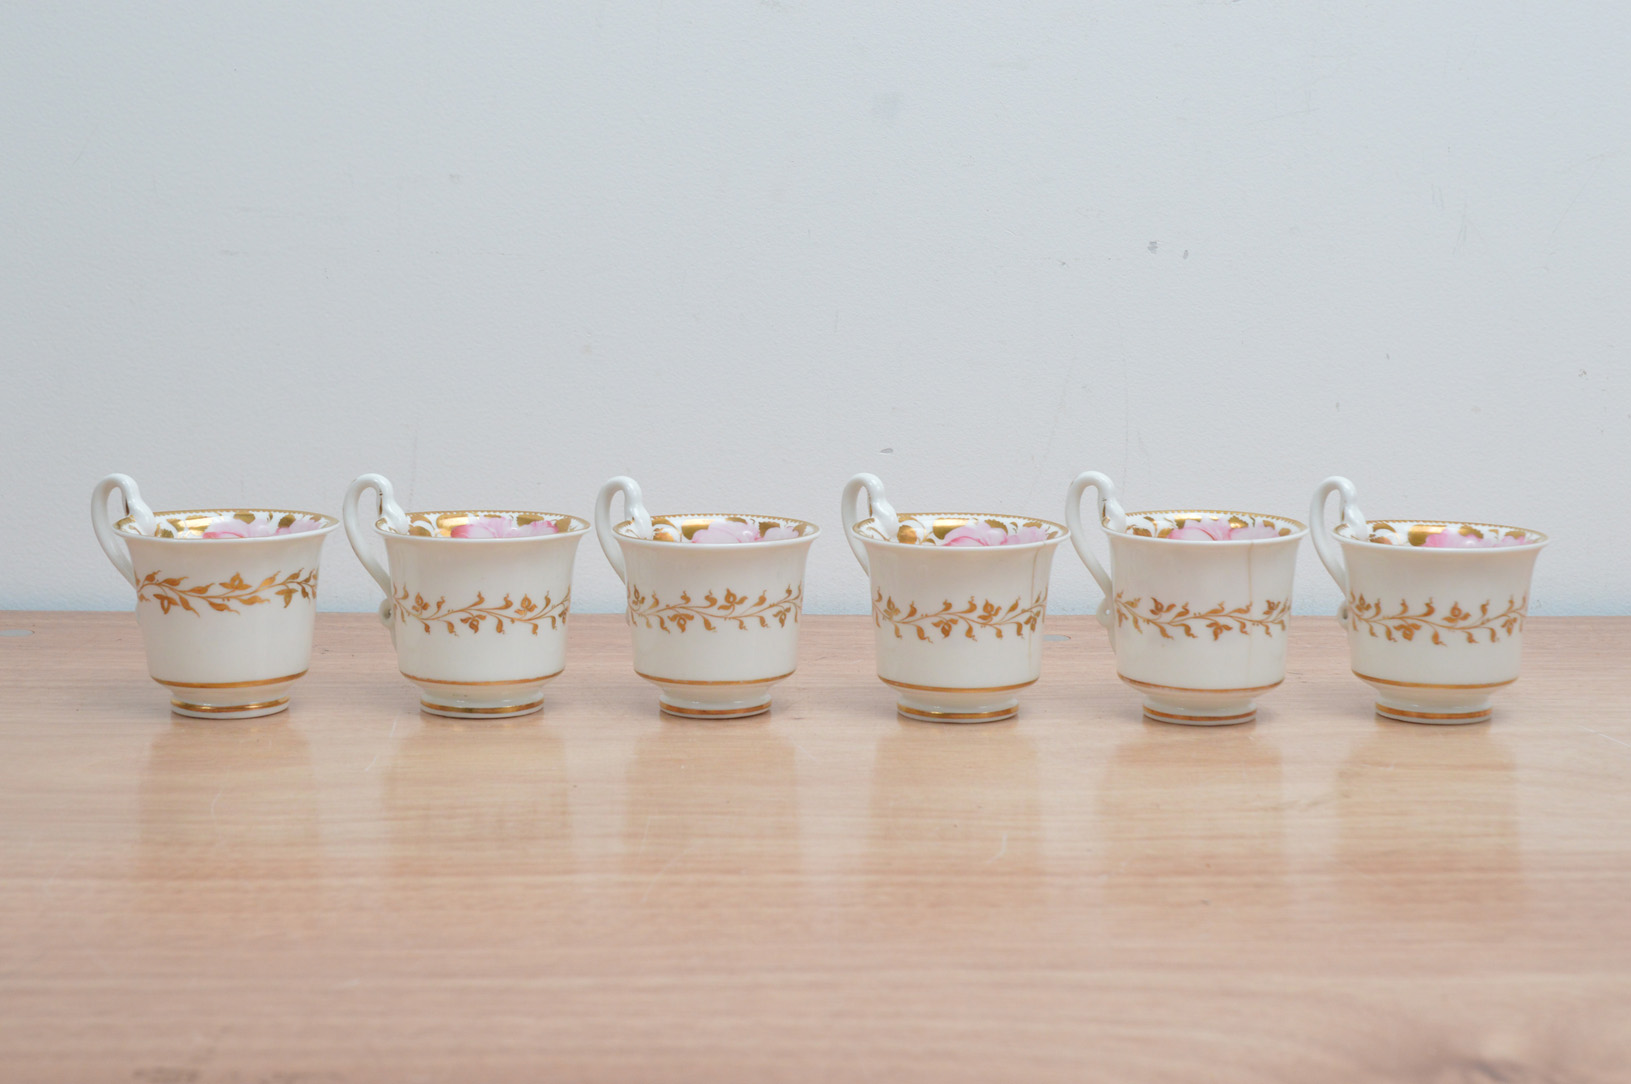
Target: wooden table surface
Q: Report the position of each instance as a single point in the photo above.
(355, 891)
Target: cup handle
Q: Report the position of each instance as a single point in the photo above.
(1109, 512)
(633, 506)
(877, 506)
(1325, 542)
(102, 522)
(356, 531)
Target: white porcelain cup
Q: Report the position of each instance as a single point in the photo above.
(1434, 630)
(958, 628)
(227, 619)
(715, 626)
(1198, 626)
(479, 623)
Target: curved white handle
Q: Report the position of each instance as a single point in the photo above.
(633, 506)
(1325, 543)
(1110, 513)
(102, 522)
(356, 531)
(877, 506)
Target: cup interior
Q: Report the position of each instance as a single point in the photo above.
(683, 528)
(931, 528)
(1160, 524)
(484, 523)
(1416, 533)
(215, 524)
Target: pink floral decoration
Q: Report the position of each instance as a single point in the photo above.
(501, 527)
(1455, 540)
(980, 533)
(1219, 530)
(728, 531)
(232, 527)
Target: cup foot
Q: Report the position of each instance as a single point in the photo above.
(1198, 707)
(500, 711)
(949, 705)
(229, 711)
(1160, 715)
(480, 699)
(1419, 702)
(713, 699)
(1453, 718)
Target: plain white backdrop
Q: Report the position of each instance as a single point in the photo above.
(499, 252)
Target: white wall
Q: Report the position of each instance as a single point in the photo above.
(500, 252)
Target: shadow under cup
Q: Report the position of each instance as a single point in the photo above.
(1199, 627)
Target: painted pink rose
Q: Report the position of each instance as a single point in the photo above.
(723, 532)
(1219, 530)
(975, 533)
(501, 527)
(1455, 540)
(232, 527)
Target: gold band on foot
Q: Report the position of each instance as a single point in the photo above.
(227, 709)
(1404, 715)
(1173, 717)
(455, 709)
(714, 713)
(926, 715)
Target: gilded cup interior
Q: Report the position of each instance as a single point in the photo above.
(1415, 533)
(931, 528)
(681, 528)
(255, 523)
(443, 524)
(1160, 524)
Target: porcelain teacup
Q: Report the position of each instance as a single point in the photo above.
(1434, 608)
(714, 600)
(476, 600)
(1195, 601)
(225, 597)
(959, 601)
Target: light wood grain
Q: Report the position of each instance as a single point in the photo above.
(354, 891)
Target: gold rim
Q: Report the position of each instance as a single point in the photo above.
(222, 709)
(1465, 716)
(949, 689)
(678, 681)
(928, 716)
(1211, 513)
(1182, 689)
(1340, 532)
(1430, 685)
(454, 709)
(678, 521)
(228, 684)
(578, 524)
(968, 517)
(1172, 717)
(517, 681)
(714, 713)
(328, 522)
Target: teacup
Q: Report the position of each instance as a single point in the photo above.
(959, 600)
(1195, 601)
(714, 601)
(1434, 609)
(225, 597)
(476, 600)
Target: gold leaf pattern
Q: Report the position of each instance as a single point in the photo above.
(1407, 623)
(503, 614)
(949, 617)
(227, 595)
(713, 610)
(1169, 617)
